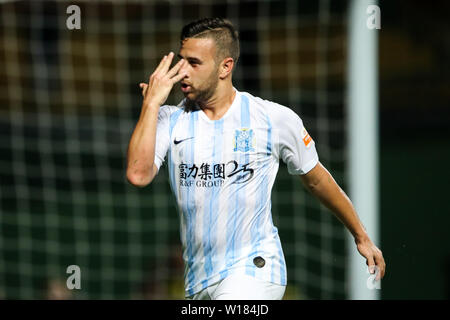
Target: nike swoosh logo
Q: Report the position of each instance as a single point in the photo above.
(175, 141)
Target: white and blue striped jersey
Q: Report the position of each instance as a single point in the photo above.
(221, 173)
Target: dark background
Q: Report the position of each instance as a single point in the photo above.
(414, 96)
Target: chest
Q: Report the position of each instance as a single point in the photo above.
(221, 143)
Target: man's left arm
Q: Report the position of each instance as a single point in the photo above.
(323, 186)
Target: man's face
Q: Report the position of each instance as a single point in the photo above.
(201, 69)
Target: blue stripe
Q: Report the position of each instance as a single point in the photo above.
(280, 255)
(189, 204)
(282, 261)
(269, 209)
(173, 120)
(245, 118)
(269, 136)
(261, 200)
(245, 112)
(212, 202)
(237, 190)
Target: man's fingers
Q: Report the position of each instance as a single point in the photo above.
(371, 264)
(175, 68)
(161, 63)
(381, 265)
(167, 63)
(178, 77)
(144, 87)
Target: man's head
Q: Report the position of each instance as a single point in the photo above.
(211, 48)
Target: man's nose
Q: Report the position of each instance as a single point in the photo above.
(184, 69)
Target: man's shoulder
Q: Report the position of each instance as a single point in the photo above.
(271, 108)
(183, 106)
(167, 110)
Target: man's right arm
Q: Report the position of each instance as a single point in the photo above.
(141, 168)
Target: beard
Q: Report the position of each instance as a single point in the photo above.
(205, 94)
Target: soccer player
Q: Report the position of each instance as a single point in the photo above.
(223, 148)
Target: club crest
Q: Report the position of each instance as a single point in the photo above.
(244, 140)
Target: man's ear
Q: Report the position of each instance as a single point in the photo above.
(226, 67)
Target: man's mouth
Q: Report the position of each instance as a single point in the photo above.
(185, 87)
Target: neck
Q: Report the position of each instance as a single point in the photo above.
(220, 102)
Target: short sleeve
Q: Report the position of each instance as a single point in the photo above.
(162, 134)
(296, 147)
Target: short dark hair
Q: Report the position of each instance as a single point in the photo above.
(221, 30)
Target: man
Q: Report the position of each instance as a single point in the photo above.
(223, 149)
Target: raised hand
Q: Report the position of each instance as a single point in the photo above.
(161, 81)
